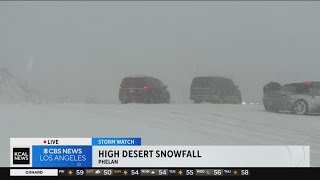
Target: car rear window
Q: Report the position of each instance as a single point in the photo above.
(133, 83)
(297, 88)
(289, 88)
(200, 83)
(212, 83)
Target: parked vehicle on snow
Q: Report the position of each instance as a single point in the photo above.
(299, 98)
(143, 89)
(214, 89)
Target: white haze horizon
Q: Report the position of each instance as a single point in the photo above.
(84, 49)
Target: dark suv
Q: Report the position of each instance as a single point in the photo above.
(143, 89)
(214, 89)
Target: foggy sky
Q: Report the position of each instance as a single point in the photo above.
(81, 49)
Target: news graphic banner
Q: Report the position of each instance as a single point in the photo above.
(129, 152)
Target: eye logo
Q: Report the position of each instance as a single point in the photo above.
(45, 151)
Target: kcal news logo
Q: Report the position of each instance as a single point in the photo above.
(21, 155)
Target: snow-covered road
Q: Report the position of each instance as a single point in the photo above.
(174, 124)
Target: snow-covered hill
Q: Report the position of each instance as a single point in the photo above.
(12, 90)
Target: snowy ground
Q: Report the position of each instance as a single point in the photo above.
(174, 124)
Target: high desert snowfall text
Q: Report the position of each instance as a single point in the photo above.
(149, 153)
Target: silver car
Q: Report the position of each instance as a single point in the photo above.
(299, 98)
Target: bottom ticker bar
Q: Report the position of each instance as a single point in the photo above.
(314, 171)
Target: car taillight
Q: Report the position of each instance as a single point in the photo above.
(319, 92)
(146, 88)
(308, 83)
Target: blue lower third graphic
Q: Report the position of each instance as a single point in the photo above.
(61, 156)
